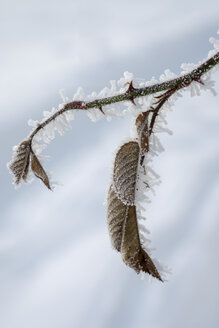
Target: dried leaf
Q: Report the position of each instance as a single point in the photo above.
(26, 169)
(143, 131)
(116, 213)
(125, 172)
(124, 234)
(132, 252)
(39, 171)
(19, 165)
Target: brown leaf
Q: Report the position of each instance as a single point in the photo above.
(39, 171)
(116, 213)
(143, 131)
(125, 172)
(132, 252)
(124, 234)
(19, 165)
(26, 170)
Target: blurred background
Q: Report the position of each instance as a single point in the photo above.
(57, 268)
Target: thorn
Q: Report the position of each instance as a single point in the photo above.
(101, 109)
(199, 80)
(132, 101)
(165, 94)
(158, 97)
(161, 98)
(157, 102)
(131, 87)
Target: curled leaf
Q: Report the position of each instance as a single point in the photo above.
(132, 252)
(19, 165)
(39, 171)
(125, 172)
(142, 126)
(124, 234)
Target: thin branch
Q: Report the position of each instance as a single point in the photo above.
(132, 93)
(160, 102)
(182, 81)
(69, 106)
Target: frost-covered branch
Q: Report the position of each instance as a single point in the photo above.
(132, 93)
(180, 82)
(132, 174)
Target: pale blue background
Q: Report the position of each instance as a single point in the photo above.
(57, 268)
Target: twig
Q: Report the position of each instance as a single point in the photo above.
(132, 93)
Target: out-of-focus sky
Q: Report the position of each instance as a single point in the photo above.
(57, 268)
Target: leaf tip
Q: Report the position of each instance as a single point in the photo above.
(39, 171)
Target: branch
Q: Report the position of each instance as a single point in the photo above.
(180, 82)
(25, 156)
(132, 93)
(69, 106)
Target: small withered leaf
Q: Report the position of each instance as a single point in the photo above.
(116, 213)
(125, 172)
(132, 252)
(26, 169)
(19, 165)
(142, 126)
(39, 171)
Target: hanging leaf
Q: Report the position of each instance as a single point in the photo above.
(19, 165)
(132, 252)
(39, 171)
(125, 172)
(124, 233)
(142, 126)
(116, 213)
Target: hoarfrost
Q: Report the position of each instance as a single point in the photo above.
(64, 98)
(119, 109)
(119, 87)
(168, 75)
(33, 123)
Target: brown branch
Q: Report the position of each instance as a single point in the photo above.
(160, 102)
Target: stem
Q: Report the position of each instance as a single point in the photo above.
(161, 101)
(69, 106)
(132, 93)
(181, 81)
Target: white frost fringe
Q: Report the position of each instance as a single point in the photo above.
(62, 122)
